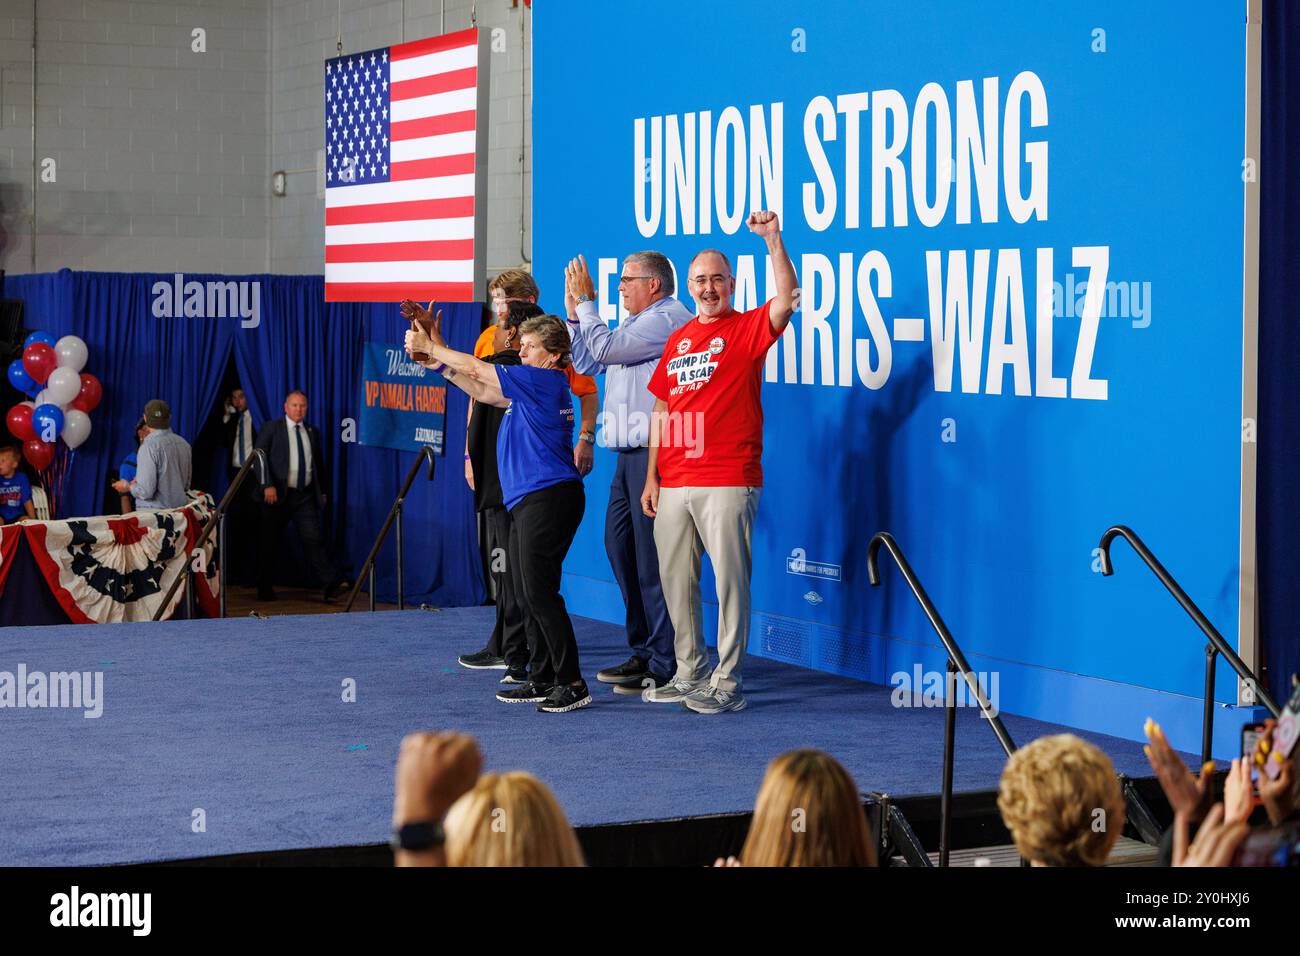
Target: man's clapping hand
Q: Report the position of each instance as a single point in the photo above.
(577, 280)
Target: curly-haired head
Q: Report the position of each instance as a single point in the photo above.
(1060, 799)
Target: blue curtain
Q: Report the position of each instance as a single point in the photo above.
(300, 342)
(1279, 344)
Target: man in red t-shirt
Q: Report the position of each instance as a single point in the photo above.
(705, 471)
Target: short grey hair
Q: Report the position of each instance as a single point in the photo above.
(657, 265)
(552, 334)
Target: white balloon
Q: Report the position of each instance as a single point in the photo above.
(71, 352)
(76, 427)
(43, 398)
(28, 404)
(63, 385)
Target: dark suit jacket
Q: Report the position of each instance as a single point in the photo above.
(274, 440)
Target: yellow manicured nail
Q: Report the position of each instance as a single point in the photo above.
(1264, 745)
(1147, 727)
(1259, 759)
(1277, 757)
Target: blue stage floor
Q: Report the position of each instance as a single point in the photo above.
(244, 719)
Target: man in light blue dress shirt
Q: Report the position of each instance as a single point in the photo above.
(163, 464)
(627, 356)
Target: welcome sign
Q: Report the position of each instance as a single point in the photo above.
(1019, 235)
(401, 406)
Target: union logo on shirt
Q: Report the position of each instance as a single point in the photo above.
(683, 345)
(717, 344)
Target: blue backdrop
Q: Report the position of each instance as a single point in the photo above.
(299, 342)
(998, 491)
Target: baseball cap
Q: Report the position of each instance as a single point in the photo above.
(157, 414)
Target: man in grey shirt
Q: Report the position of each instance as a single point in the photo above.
(163, 463)
(627, 356)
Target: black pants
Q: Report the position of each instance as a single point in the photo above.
(303, 508)
(509, 636)
(543, 526)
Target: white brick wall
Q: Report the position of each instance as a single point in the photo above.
(164, 156)
(160, 152)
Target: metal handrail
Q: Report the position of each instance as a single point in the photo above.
(1217, 644)
(956, 662)
(216, 519)
(394, 515)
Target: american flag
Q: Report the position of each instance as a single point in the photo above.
(401, 127)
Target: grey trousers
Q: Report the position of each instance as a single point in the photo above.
(719, 521)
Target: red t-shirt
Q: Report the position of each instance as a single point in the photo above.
(711, 376)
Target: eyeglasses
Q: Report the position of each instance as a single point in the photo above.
(622, 279)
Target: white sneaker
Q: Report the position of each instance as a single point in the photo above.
(674, 691)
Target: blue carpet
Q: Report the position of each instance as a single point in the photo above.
(244, 719)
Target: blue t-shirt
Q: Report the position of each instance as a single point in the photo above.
(126, 471)
(535, 443)
(14, 493)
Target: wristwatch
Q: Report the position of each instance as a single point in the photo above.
(582, 298)
(588, 437)
(418, 837)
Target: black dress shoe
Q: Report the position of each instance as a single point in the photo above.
(636, 686)
(632, 668)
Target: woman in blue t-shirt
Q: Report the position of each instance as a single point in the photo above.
(541, 487)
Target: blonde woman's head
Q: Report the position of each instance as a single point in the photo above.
(808, 813)
(1060, 799)
(510, 819)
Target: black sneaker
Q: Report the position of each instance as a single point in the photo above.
(515, 675)
(564, 698)
(525, 693)
(638, 686)
(633, 667)
(482, 661)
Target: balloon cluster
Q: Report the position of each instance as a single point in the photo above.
(62, 396)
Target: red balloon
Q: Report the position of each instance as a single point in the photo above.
(91, 393)
(20, 422)
(39, 360)
(39, 453)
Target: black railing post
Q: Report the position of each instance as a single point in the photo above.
(221, 565)
(956, 663)
(394, 517)
(949, 748)
(401, 571)
(1207, 713)
(1217, 643)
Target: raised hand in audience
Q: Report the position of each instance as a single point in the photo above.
(1216, 840)
(1238, 799)
(1186, 794)
(433, 771)
(1277, 794)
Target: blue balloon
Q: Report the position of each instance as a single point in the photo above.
(47, 421)
(19, 378)
(40, 337)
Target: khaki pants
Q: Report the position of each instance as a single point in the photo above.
(719, 521)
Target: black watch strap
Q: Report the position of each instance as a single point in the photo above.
(416, 837)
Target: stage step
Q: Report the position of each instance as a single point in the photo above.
(1127, 852)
